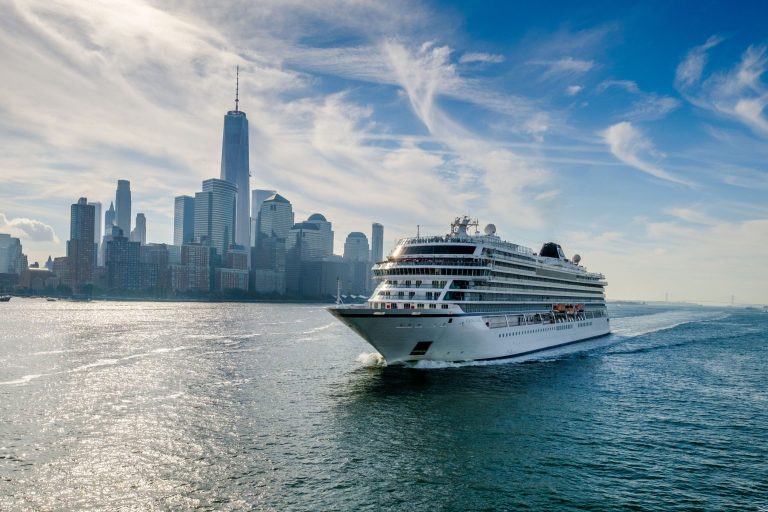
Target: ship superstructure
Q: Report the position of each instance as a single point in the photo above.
(468, 296)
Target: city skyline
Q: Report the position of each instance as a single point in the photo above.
(646, 159)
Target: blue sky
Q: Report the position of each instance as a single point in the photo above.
(633, 134)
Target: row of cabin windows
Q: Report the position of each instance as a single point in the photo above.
(421, 271)
(407, 305)
(579, 281)
(541, 329)
(492, 285)
(541, 307)
(499, 297)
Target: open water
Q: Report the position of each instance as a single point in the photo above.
(145, 406)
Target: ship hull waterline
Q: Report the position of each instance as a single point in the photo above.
(450, 337)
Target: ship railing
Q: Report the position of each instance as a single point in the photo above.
(422, 286)
(572, 288)
(429, 262)
(548, 298)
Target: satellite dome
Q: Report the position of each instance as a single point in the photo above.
(317, 216)
(576, 258)
(490, 229)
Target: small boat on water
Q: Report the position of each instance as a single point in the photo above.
(5, 298)
(51, 299)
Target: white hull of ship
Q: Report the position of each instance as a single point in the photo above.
(461, 337)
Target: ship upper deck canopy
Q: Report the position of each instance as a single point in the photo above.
(485, 240)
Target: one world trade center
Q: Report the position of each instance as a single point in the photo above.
(234, 166)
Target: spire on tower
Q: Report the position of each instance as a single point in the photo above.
(237, 90)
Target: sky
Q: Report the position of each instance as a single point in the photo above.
(632, 133)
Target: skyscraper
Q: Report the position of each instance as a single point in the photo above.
(307, 239)
(10, 255)
(275, 217)
(183, 220)
(123, 206)
(326, 232)
(121, 259)
(81, 248)
(257, 197)
(97, 228)
(215, 214)
(377, 242)
(356, 255)
(139, 233)
(304, 243)
(110, 219)
(234, 166)
(356, 247)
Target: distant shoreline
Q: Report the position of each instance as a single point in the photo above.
(330, 301)
(177, 299)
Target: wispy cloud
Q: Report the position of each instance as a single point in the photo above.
(630, 146)
(378, 61)
(692, 215)
(738, 93)
(547, 196)
(493, 172)
(489, 58)
(627, 85)
(651, 107)
(646, 106)
(690, 69)
(564, 66)
(746, 178)
(573, 90)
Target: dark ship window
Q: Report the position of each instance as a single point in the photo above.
(551, 250)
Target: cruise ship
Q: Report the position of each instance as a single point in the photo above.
(469, 296)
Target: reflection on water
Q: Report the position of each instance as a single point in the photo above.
(241, 406)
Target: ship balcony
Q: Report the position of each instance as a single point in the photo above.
(527, 288)
(424, 286)
(474, 298)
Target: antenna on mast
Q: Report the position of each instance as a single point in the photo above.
(237, 89)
